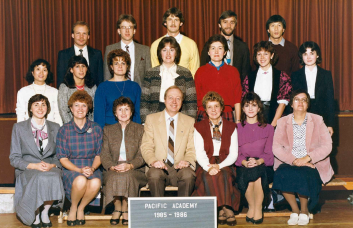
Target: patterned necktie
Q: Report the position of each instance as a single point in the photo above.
(127, 50)
(39, 135)
(81, 52)
(228, 59)
(170, 155)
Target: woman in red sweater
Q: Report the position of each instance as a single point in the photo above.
(219, 77)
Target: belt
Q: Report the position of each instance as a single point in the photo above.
(267, 103)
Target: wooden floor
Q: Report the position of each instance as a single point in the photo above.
(335, 213)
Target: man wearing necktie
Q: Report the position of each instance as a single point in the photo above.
(168, 147)
(139, 54)
(238, 54)
(80, 35)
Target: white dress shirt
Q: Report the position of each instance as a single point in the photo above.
(281, 43)
(168, 76)
(132, 56)
(178, 37)
(311, 80)
(201, 155)
(84, 53)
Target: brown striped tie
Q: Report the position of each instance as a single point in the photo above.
(170, 156)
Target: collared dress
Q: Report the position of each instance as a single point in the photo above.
(80, 146)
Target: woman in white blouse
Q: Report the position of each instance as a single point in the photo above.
(216, 145)
(38, 78)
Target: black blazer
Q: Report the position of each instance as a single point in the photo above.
(241, 57)
(95, 64)
(324, 97)
(276, 74)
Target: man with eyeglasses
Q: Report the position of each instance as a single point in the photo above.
(173, 20)
(139, 54)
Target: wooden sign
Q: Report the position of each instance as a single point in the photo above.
(173, 212)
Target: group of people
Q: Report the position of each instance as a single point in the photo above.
(208, 130)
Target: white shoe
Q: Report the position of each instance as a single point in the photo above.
(293, 219)
(303, 219)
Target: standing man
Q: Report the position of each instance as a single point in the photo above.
(139, 54)
(238, 54)
(80, 34)
(173, 19)
(288, 59)
(168, 147)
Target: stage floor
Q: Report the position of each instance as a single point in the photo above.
(334, 213)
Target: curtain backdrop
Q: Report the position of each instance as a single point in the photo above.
(31, 29)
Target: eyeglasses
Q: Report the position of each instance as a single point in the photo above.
(304, 100)
(126, 28)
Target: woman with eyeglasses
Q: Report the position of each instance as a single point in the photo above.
(302, 145)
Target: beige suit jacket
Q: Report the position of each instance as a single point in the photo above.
(154, 141)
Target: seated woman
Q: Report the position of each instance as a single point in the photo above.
(121, 157)
(119, 64)
(37, 169)
(219, 77)
(317, 82)
(216, 145)
(38, 76)
(255, 159)
(273, 86)
(301, 145)
(158, 79)
(78, 77)
(78, 146)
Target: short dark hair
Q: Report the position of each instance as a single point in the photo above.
(175, 12)
(80, 23)
(173, 87)
(69, 80)
(29, 75)
(217, 38)
(173, 43)
(126, 17)
(81, 96)
(36, 98)
(247, 99)
(115, 54)
(295, 93)
(314, 47)
(275, 18)
(266, 46)
(121, 101)
(227, 14)
(212, 96)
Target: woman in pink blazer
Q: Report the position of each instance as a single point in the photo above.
(301, 147)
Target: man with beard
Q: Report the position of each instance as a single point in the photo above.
(238, 54)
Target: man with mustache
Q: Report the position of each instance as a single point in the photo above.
(173, 20)
(80, 34)
(238, 54)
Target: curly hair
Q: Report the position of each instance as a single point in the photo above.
(265, 46)
(29, 74)
(69, 80)
(122, 101)
(81, 96)
(212, 96)
(249, 98)
(118, 53)
(36, 98)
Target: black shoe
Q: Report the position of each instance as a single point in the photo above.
(80, 222)
(47, 224)
(125, 222)
(71, 222)
(269, 210)
(258, 221)
(36, 225)
(115, 221)
(249, 219)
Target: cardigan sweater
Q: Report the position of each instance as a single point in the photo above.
(225, 81)
(151, 88)
(189, 54)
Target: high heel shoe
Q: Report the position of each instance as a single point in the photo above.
(36, 225)
(71, 222)
(45, 225)
(258, 221)
(125, 222)
(249, 219)
(115, 221)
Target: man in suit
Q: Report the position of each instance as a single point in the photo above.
(173, 20)
(171, 159)
(238, 54)
(139, 54)
(80, 34)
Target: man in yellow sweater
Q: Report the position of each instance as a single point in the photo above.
(173, 19)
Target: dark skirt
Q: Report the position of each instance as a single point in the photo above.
(246, 175)
(221, 185)
(201, 115)
(303, 180)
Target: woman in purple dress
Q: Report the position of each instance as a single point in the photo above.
(78, 147)
(255, 159)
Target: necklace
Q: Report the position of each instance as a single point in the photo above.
(45, 86)
(121, 92)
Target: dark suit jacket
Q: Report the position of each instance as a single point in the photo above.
(241, 57)
(95, 64)
(142, 61)
(324, 97)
